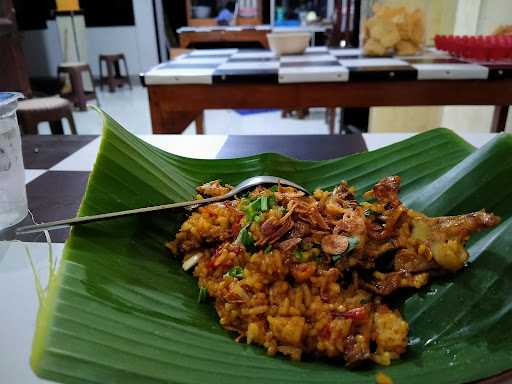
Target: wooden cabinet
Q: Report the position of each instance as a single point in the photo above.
(214, 7)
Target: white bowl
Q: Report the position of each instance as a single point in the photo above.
(288, 43)
(201, 11)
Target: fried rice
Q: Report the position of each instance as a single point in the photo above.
(312, 275)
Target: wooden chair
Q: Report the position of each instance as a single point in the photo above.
(31, 112)
(78, 95)
(114, 77)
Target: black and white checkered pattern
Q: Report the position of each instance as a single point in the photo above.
(317, 64)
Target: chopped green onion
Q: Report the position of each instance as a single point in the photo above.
(236, 272)
(268, 248)
(238, 239)
(274, 188)
(264, 203)
(203, 294)
(257, 218)
(298, 255)
(353, 242)
(261, 204)
(271, 201)
(336, 258)
(245, 238)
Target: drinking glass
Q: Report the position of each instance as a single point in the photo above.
(13, 196)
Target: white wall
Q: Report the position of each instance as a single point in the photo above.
(138, 43)
(477, 17)
(146, 34)
(493, 14)
(121, 39)
(42, 52)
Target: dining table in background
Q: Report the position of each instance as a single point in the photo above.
(180, 90)
(56, 171)
(239, 34)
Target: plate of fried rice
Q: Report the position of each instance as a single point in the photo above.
(312, 275)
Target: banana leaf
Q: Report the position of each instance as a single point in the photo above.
(120, 309)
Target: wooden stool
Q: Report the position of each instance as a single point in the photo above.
(114, 78)
(31, 112)
(78, 95)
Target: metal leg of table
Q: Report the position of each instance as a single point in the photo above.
(499, 119)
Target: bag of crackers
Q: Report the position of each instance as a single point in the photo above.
(395, 30)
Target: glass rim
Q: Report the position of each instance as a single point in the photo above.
(9, 102)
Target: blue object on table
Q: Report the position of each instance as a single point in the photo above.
(287, 23)
(245, 112)
(279, 15)
(225, 16)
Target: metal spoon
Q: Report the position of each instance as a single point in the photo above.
(244, 185)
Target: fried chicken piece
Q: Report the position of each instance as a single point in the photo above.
(387, 283)
(409, 261)
(446, 236)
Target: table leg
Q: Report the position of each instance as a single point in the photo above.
(184, 41)
(499, 119)
(200, 123)
(176, 122)
(330, 115)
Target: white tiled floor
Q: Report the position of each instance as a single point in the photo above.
(131, 109)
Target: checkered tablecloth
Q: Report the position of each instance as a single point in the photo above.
(317, 64)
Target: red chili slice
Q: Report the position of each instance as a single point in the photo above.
(357, 314)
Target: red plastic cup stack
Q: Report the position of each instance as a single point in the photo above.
(481, 48)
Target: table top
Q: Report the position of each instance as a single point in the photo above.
(317, 64)
(57, 169)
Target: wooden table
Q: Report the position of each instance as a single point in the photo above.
(190, 38)
(228, 79)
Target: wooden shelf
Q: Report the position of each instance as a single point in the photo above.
(195, 22)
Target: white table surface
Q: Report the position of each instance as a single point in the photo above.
(17, 290)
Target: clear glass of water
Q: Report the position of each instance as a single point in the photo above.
(13, 196)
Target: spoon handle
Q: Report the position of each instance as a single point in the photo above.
(112, 215)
